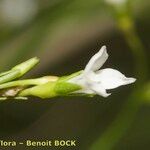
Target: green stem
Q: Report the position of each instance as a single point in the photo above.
(28, 82)
(135, 45)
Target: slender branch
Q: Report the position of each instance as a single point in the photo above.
(136, 46)
(28, 82)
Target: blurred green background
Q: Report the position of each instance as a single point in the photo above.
(64, 34)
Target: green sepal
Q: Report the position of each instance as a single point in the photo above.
(68, 77)
(10, 76)
(43, 91)
(26, 66)
(18, 70)
(65, 88)
(51, 89)
(61, 87)
(5, 73)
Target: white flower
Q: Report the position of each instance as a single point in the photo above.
(94, 80)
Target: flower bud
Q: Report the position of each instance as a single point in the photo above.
(51, 89)
(18, 70)
(26, 66)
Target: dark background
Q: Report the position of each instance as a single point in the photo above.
(64, 34)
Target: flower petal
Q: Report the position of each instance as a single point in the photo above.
(111, 78)
(99, 90)
(80, 80)
(97, 61)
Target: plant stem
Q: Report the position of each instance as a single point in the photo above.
(29, 82)
(135, 45)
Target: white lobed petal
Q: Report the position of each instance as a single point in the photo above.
(111, 78)
(88, 86)
(97, 61)
(99, 90)
(95, 81)
(81, 80)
